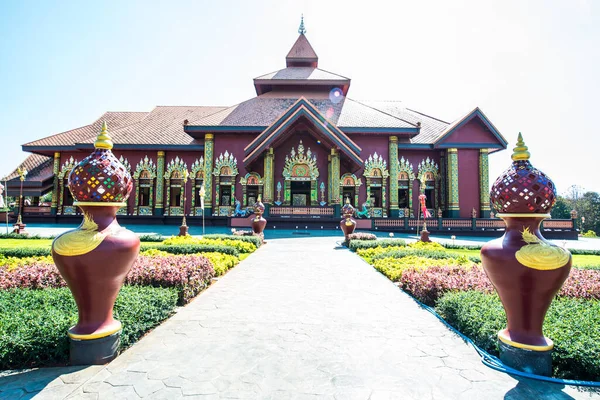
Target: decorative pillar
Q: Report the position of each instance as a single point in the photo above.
(55, 171)
(269, 182)
(335, 181)
(209, 150)
(160, 183)
(453, 204)
(484, 184)
(443, 181)
(393, 157)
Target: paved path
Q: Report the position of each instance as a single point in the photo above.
(298, 319)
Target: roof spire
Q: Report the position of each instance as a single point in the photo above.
(302, 29)
(103, 141)
(520, 151)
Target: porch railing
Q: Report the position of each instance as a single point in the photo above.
(280, 211)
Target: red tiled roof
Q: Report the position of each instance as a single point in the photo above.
(39, 168)
(302, 73)
(114, 120)
(301, 51)
(163, 125)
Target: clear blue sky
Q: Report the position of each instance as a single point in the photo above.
(531, 66)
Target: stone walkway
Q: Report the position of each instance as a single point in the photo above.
(299, 319)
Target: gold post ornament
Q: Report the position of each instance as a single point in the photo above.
(520, 151)
(103, 141)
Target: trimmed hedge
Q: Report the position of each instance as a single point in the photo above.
(221, 262)
(571, 323)
(250, 239)
(394, 267)
(21, 236)
(193, 249)
(151, 238)
(436, 255)
(33, 323)
(370, 244)
(239, 245)
(21, 252)
(361, 236)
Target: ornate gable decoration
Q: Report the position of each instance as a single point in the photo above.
(175, 169)
(376, 167)
(426, 166)
(405, 166)
(251, 178)
(67, 167)
(225, 165)
(198, 168)
(125, 163)
(300, 164)
(145, 164)
(350, 180)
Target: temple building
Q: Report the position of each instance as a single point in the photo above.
(301, 144)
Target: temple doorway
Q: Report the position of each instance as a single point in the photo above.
(300, 191)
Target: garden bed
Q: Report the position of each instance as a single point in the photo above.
(36, 308)
(453, 281)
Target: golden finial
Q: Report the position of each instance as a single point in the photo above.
(103, 141)
(258, 199)
(520, 152)
(347, 200)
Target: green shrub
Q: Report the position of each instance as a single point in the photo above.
(21, 236)
(462, 246)
(369, 244)
(585, 252)
(590, 234)
(436, 255)
(250, 239)
(571, 323)
(22, 252)
(241, 246)
(221, 262)
(33, 323)
(192, 249)
(151, 238)
(394, 267)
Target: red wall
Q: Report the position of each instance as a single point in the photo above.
(234, 143)
(370, 145)
(468, 181)
(473, 131)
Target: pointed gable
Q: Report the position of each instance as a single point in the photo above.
(474, 130)
(302, 54)
(322, 128)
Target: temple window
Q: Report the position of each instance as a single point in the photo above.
(252, 187)
(144, 178)
(65, 203)
(349, 186)
(376, 174)
(197, 177)
(225, 171)
(429, 182)
(175, 171)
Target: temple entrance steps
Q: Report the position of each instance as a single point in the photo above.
(304, 318)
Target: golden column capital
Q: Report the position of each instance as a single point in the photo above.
(57, 155)
(160, 153)
(209, 136)
(394, 139)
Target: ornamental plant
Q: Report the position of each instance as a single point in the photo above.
(394, 267)
(221, 262)
(239, 245)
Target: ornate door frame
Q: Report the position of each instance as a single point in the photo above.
(176, 169)
(350, 180)
(225, 172)
(63, 175)
(197, 174)
(145, 165)
(300, 166)
(375, 170)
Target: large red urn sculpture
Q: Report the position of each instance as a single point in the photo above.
(258, 222)
(95, 258)
(526, 270)
(347, 224)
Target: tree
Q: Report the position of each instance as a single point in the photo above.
(590, 210)
(562, 208)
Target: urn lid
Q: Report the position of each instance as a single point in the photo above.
(259, 207)
(347, 209)
(522, 188)
(100, 179)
